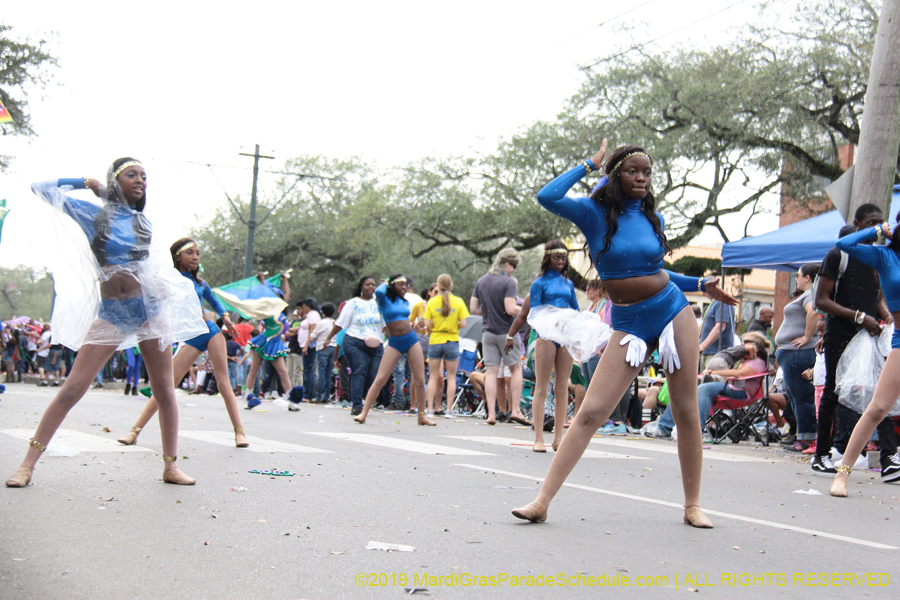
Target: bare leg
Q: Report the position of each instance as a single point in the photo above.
(88, 363)
(544, 361)
(502, 393)
(416, 363)
(434, 366)
(477, 381)
(159, 367)
(181, 364)
(255, 364)
(886, 392)
(777, 403)
(219, 357)
(683, 404)
(650, 398)
(490, 391)
(451, 366)
(385, 370)
(563, 367)
(281, 369)
(612, 378)
(515, 392)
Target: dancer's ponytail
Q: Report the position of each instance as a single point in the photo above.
(445, 284)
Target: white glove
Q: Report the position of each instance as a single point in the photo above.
(637, 350)
(668, 353)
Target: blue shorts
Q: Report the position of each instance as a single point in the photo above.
(403, 343)
(448, 351)
(649, 317)
(895, 339)
(127, 315)
(538, 334)
(201, 341)
(44, 363)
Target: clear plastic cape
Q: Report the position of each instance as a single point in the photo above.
(582, 333)
(140, 297)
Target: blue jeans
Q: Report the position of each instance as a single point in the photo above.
(588, 368)
(233, 375)
(801, 391)
(133, 371)
(706, 393)
(309, 374)
(401, 374)
(364, 363)
(324, 360)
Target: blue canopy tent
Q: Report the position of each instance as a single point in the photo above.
(789, 247)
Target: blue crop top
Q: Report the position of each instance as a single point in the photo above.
(117, 233)
(204, 293)
(881, 258)
(634, 250)
(552, 289)
(391, 311)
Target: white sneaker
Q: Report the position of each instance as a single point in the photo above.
(861, 463)
(293, 406)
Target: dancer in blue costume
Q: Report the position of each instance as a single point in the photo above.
(186, 258)
(114, 291)
(552, 289)
(627, 244)
(402, 340)
(268, 345)
(885, 260)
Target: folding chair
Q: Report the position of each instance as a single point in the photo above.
(466, 400)
(735, 419)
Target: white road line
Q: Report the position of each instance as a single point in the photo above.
(398, 444)
(224, 438)
(83, 442)
(666, 448)
(526, 445)
(725, 515)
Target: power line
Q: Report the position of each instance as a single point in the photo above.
(609, 20)
(647, 43)
(204, 164)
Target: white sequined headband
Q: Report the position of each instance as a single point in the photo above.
(130, 163)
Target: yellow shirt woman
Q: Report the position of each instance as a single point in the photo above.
(445, 329)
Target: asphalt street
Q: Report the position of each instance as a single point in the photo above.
(102, 524)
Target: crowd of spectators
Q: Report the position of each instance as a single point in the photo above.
(335, 352)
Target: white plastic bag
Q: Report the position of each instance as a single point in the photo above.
(858, 371)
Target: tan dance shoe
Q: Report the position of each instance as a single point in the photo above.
(534, 512)
(175, 475)
(130, 438)
(20, 478)
(694, 517)
(240, 440)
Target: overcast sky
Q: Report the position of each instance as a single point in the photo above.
(389, 82)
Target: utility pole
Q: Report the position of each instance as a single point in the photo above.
(879, 136)
(251, 224)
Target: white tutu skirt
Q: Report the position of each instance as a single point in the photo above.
(143, 299)
(582, 333)
(585, 333)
